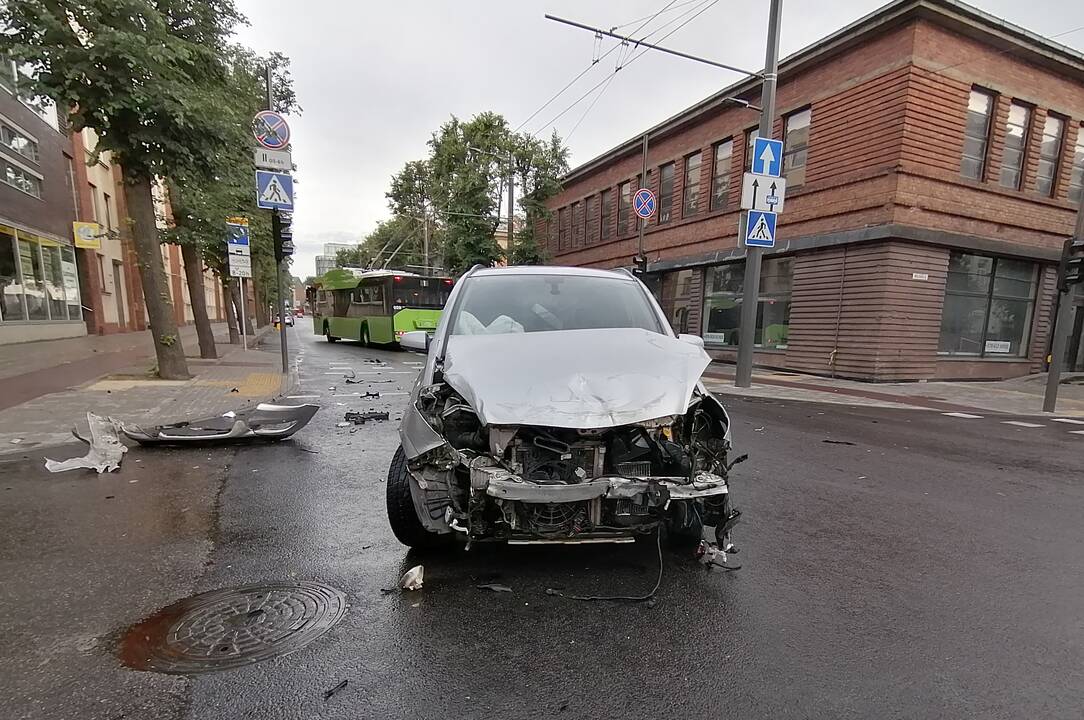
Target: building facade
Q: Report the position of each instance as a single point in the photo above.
(326, 261)
(39, 284)
(934, 159)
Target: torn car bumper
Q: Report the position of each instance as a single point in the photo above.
(501, 484)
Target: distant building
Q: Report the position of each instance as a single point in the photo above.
(934, 158)
(326, 261)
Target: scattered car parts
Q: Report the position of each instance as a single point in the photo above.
(264, 422)
(106, 450)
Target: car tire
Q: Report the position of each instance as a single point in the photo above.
(364, 336)
(327, 334)
(402, 516)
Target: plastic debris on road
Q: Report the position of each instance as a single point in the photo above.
(412, 579)
(494, 587)
(360, 418)
(106, 449)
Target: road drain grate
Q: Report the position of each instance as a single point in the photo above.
(230, 628)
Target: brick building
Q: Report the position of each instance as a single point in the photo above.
(935, 159)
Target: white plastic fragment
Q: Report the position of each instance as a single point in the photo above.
(106, 449)
(412, 578)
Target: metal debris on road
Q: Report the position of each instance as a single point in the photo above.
(839, 442)
(412, 579)
(343, 424)
(494, 587)
(360, 418)
(351, 375)
(329, 693)
(264, 422)
(106, 449)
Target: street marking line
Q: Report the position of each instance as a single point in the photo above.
(1076, 432)
(382, 394)
(1019, 423)
(1068, 420)
(301, 397)
(966, 416)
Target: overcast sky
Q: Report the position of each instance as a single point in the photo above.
(376, 78)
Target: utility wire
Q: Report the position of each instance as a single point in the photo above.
(595, 61)
(620, 67)
(1006, 51)
(675, 7)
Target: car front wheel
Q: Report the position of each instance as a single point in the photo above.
(402, 516)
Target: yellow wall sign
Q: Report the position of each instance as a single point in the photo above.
(87, 235)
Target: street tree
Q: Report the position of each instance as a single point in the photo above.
(463, 180)
(396, 243)
(145, 75)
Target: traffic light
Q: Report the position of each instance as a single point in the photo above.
(283, 235)
(1071, 270)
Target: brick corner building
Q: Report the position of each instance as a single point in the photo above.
(934, 157)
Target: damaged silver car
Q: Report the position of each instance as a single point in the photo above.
(557, 406)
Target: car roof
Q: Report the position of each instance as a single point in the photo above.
(553, 270)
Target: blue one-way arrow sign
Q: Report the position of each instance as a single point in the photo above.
(767, 157)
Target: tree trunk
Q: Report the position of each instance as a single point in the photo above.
(259, 294)
(231, 315)
(193, 275)
(244, 310)
(167, 341)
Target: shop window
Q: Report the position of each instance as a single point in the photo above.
(666, 192)
(980, 107)
(20, 179)
(988, 306)
(691, 190)
(624, 208)
(1076, 179)
(676, 296)
(1049, 154)
(12, 307)
(795, 147)
(19, 142)
(54, 279)
(720, 174)
(724, 285)
(71, 282)
(607, 212)
(1016, 142)
(33, 279)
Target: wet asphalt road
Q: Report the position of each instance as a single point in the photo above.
(930, 569)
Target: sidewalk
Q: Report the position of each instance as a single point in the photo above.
(114, 381)
(1019, 396)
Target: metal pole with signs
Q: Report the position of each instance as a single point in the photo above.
(1070, 273)
(275, 192)
(759, 229)
(239, 262)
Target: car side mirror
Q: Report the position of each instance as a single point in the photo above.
(416, 340)
(692, 339)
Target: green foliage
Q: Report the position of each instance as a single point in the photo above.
(145, 75)
(462, 181)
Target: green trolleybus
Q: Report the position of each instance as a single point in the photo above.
(375, 306)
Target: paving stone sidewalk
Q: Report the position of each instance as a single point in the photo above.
(234, 381)
(1019, 396)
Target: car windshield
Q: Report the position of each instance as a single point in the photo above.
(516, 303)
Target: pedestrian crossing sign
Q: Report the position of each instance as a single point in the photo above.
(760, 229)
(274, 191)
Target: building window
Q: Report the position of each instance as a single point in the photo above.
(33, 278)
(795, 147)
(1046, 178)
(720, 174)
(1076, 179)
(8, 74)
(54, 279)
(591, 214)
(691, 191)
(624, 208)
(607, 212)
(11, 302)
(677, 298)
(1016, 142)
(723, 296)
(108, 211)
(21, 179)
(977, 135)
(563, 228)
(750, 137)
(15, 140)
(666, 192)
(71, 282)
(577, 224)
(988, 305)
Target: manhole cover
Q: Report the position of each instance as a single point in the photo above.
(225, 629)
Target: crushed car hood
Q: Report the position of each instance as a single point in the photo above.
(574, 378)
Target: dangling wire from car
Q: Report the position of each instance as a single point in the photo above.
(620, 598)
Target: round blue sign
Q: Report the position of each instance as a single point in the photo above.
(644, 203)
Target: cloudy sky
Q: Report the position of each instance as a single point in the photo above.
(376, 78)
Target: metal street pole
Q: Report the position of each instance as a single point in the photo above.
(1060, 330)
(511, 200)
(641, 256)
(743, 375)
(279, 292)
(425, 238)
